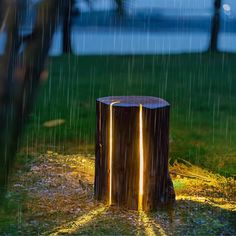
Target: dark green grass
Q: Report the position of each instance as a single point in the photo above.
(200, 87)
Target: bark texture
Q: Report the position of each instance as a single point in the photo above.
(125, 156)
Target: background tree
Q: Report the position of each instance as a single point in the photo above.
(67, 20)
(120, 7)
(215, 25)
(70, 13)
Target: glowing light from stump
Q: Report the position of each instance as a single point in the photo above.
(141, 161)
(141, 158)
(110, 152)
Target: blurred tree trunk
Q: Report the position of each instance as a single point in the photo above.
(67, 26)
(1, 13)
(20, 75)
(7, 66)
(215, 26)
(120, 7)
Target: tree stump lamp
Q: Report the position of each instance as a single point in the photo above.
(132, 144)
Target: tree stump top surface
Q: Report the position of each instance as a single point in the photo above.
(134, 101)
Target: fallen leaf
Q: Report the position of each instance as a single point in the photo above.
(53, 123)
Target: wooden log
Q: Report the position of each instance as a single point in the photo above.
(132, 143)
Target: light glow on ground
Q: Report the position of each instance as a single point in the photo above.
(216, 202)
(56, 209)
(81, 221)
(151, 227)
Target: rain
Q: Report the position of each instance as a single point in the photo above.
(117, 117)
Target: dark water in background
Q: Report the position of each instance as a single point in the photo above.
(150, 27)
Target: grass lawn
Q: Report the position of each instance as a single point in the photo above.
(200, 87)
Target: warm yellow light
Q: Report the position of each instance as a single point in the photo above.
(150, 225)
(216, 202)
(110, 152)
(141, 159)
(75, 225)
(141, 168)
